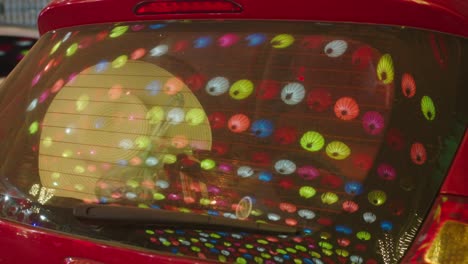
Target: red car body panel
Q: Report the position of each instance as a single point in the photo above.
(446, 16)
(47, 247)
(450, 16)
(455, 183)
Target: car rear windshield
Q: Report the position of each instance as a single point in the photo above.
(343, 131)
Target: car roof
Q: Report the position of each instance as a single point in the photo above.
(449, 16)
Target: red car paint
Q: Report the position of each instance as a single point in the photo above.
(49, 247)
(446, 16)
(46, 247)
(455, 183)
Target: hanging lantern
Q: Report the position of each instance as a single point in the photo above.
(306, 214)
(195, 82)
(238, 123)
(408, 85)
(273, 217)
(173, 86)
(267, 89)
(282, 41)
(428, 108)
(319, 99)
(255, 39)
(342, 252)
(308, 172)
(335, 48)
(363, 235)
(241, 89)
(386, 225)
(354, 188)
(217, 86)
(261, 158)
(217, 120)
(362, 161)
(356, 259)
(285, 167)
(312, 141)
(350, 206)
(418, 153)
(207, 164)
(195, 116)
(307, 192)
(373, 123)
(385, 72)
(386, 172)
(175, 116)
(287, 207)
(344, 242)
(394, 139)
(245, 171)
(179, 141)
(377, 197)
(362, 57)
(293, 93)
(155, 115)
(262, 128)
(228, 40)
(329, 198)
(346, 108)
(338, 150)
(285, 135)
(331, 181)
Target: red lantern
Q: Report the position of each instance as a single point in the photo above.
(362, 161)
(344, 242)
(350, 206)
(408, 85)
(291, 221)
(285, 135)
(360, 247)
(267, 89)
(261, 158)
(287, 207)
(220, 148)
(286, 183)
(331, 181)
(346, 108)
(324, 221)
(180, 46)
(195, 82)
(238, 123)
(319, 99)
(395, 139)
(312, 42)
(396, 207)
(418, 153)
(217, 120)
(362, 57)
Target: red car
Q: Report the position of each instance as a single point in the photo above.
(238, 131)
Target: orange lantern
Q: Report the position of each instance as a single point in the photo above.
(346, 108)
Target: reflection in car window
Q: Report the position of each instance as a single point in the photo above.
(12, 50)
(331, 129)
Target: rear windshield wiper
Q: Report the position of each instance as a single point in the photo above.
(133, 215)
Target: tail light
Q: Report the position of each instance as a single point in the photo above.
(186, 7)
(443, 238)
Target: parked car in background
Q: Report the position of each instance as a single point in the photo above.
(18, 31)
(15, 42)
(238, 131)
